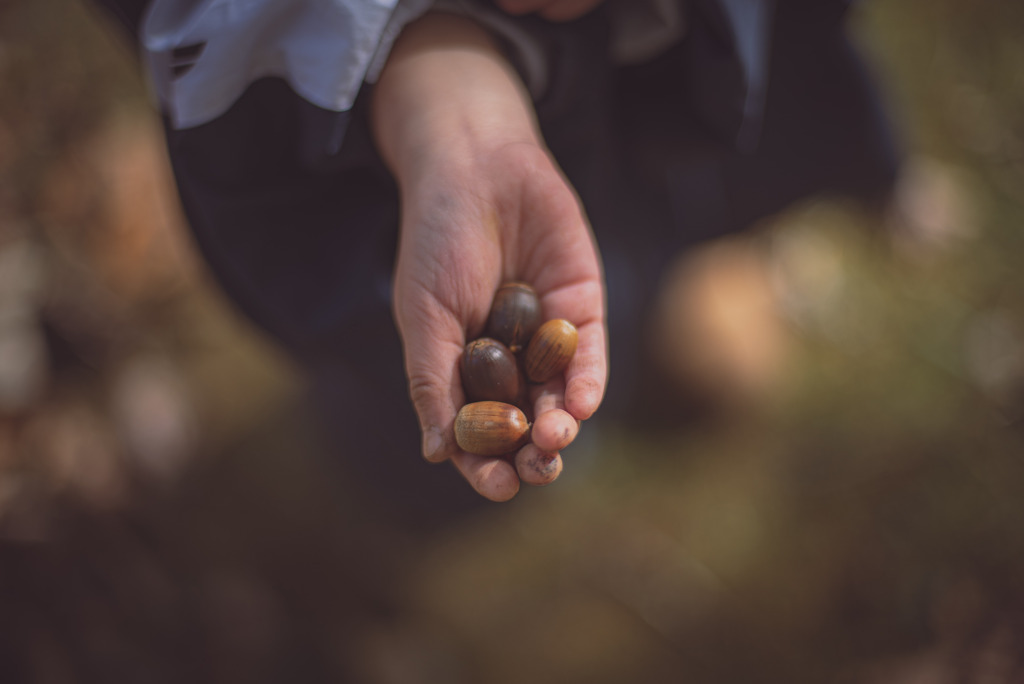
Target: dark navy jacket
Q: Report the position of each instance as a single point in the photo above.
(759, 104)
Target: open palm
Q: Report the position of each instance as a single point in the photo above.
(466, 228)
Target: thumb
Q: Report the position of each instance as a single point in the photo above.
(431, 361)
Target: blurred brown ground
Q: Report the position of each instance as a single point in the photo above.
(850, 510)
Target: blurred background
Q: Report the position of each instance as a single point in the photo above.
(848, 508)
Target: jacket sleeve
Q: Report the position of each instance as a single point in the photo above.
(201, 56)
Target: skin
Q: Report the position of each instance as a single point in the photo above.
(483, 202)
(536, 467)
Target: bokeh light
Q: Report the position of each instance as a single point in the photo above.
(840, 500)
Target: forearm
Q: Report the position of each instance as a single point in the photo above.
(446, 96)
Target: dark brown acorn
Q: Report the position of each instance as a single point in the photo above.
(515, 315)
(489, 372)
(491, 428)
(551, 349)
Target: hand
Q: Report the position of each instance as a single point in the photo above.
(505, 215)
(553, 10)
(482, 203)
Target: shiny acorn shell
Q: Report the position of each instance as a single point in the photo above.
(491, 428)
(490, 372)
(515, 315)
(550, 350)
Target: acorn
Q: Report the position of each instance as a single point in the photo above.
(489, 372)
(550, 350)
(515, 315)
(491, 428)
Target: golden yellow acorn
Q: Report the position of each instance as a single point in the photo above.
(550, 350)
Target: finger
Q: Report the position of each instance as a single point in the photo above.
(491, 477)
(553, 428)
(537, 467)
(567, 10)
(582, 303)
(587, 374)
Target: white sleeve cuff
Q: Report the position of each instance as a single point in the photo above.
(201, 56)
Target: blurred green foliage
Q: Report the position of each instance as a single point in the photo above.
(858, 520)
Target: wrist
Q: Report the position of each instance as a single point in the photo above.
(445, 98)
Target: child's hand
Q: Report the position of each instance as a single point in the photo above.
(482, 203)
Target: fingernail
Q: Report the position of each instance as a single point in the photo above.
(432, 442)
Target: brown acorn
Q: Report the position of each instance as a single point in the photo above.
(490, 428)
(515, 315)
(489, 372)
(550, 350)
